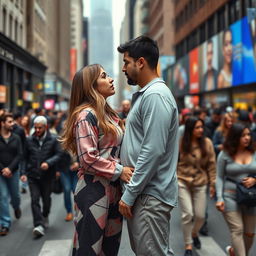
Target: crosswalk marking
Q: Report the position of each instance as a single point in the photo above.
(209, 247)
(56, 248)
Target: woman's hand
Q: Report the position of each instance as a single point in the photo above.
(249, 182)
(212, 191)
(126, 174)
(220, 206)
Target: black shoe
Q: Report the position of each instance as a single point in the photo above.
(188, 253)
(4, 231)
(196, 242)
(17, 213)
(204, 230)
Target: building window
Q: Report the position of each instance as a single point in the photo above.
(21, 35)
(10, 26)
(211, 27)
(234, 7)
(4, 21)
(202, 36)
(16, 31)
(221, 20)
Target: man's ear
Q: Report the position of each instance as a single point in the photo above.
(141, 62)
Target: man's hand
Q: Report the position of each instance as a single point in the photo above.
(6, 172)
(44, 166)
(125, 209)
(126, 174)
(23, 178)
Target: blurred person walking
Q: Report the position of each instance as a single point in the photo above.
(10, 156)
(68, 174)
(93, 131)
(126, 105)
(196, 170)
(222, 131)
(150, 145)
(42, 153)
(237, 163)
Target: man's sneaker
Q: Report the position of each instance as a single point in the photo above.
(69, 217)
(230, 251)
(4, 231)
(38, 231)
(46, 222)
(17, 213)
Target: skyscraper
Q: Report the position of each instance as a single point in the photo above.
(101, 34)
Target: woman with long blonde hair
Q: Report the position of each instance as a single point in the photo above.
(93, 132)
(222, 131)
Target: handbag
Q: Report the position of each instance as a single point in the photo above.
(57, 187)
(245, 196)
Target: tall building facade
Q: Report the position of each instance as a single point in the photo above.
(215, 43)
(21, 73)
(101, 34)
(76, 50)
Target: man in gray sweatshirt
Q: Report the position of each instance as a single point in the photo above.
(150, 145)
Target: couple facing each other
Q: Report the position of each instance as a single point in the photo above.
(148, 155)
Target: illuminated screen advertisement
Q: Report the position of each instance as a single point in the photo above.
(249, 50)
(237, 53)
(194, 71)
(180, 77)
(208, 64)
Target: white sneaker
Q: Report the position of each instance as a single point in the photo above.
(46, 222)
(230, 251)
(38, 231)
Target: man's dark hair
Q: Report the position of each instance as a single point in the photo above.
(4, 117)
(142, 46)
(37, 111)
(17, 115)
(217, 111)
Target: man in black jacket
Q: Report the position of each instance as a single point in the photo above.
(42, 153)
(10, 156)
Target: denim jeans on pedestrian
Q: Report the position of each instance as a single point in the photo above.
(9, 187)
(69, 181)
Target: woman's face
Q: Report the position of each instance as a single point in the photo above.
(105, 84)
(198, 130)
(228, 122)
(245, 138)
(24, 121)
(227, 47)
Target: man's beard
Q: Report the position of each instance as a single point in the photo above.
(130, 81)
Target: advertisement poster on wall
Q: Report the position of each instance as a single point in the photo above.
(181, 77)
(208, 64)
(225, 59)
(193, 71)
(237, 53)
(249, 50)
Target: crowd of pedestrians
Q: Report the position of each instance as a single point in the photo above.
(31, 158)
(136, 164)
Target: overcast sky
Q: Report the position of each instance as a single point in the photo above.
(118, 7)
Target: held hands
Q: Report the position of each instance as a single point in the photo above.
(125, 209)
(6, 172)
(220, 206)
(44, 166)
(249, 182)
(126, 174)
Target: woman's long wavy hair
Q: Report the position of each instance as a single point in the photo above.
(232, 140)
(84, 95)
(222, 127)
(186, 142)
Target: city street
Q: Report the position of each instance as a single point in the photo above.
(58, 238)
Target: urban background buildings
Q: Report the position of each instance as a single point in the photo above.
(43, 43)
